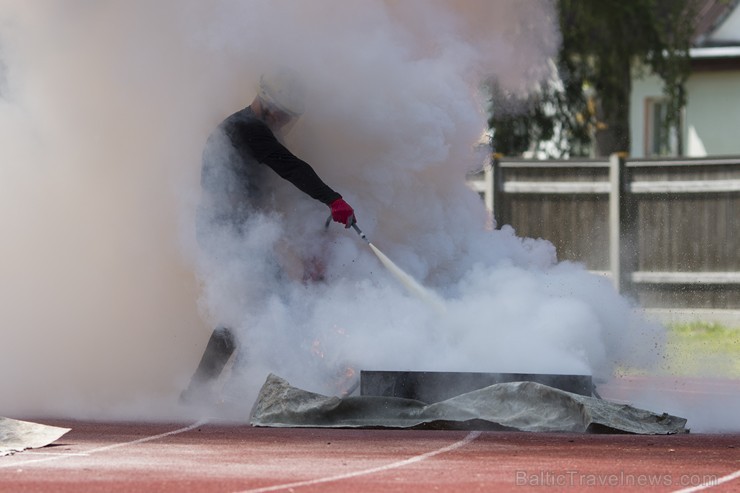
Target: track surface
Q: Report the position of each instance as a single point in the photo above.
(217, 457)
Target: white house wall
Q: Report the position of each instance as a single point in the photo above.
(713, 113)
(711, 119)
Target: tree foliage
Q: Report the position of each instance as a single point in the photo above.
(585, 108)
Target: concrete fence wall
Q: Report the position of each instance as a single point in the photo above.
(666, 231)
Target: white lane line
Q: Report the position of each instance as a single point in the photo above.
(105, 448)
(63, 454)
(711, 484)
(393, 465)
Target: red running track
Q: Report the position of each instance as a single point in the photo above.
(217, 457)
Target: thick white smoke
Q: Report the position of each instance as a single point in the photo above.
(104, 111)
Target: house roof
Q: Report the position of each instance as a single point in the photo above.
(718, 24)
(716, 39)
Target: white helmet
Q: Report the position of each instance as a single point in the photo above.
(284, 90)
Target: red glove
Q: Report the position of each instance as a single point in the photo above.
(341, 212)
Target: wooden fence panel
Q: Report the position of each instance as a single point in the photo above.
(667, 231)
(688, 233)
(564, 202)
(576, 224)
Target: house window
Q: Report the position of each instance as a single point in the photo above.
(660, 140)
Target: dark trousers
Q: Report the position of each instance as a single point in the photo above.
(219, 349)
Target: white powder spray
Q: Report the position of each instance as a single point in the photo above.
(408, 282)
(104, 110)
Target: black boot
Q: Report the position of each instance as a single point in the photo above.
(219, 349)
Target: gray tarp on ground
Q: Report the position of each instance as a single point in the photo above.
(523, 406)
(16, 436)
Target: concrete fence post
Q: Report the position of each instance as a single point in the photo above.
(488, 185)
(496, 190)
(616, 204)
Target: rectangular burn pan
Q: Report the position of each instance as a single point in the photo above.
(436, 386)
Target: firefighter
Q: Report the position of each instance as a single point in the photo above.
(238, 156)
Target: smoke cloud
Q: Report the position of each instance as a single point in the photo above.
(107, 301)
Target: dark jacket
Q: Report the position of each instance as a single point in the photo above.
(236, 159)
